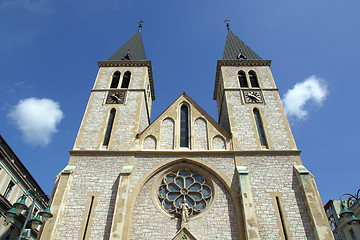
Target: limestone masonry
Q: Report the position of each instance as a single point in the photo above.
(184, 175)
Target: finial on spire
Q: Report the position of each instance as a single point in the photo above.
(227, 23)
(140, 24)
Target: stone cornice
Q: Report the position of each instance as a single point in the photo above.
(249, 89)
(132, 64)
(118, 89)
(184, 153)
(221, 63)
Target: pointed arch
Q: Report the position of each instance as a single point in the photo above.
(167, 134)
(115, 80)
(126, 80)
(109, 127)
(253, 79)
(184, 126)
(193, 161)
(201, 134)
(260, 127)
(242, 79)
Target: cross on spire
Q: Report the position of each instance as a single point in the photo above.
(140, 24)
(227, 23)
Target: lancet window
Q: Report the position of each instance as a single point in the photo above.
(260, 128)
(184, 126)
(115, 80)
(109, 127)
(253, 79)
(126, 80)
(242, 79)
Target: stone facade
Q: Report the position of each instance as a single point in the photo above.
(258, 187)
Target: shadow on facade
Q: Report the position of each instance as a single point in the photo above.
(110, 212)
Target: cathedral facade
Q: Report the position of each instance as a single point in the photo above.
(185, 175)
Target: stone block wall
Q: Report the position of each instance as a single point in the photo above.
(131, 118)
(99, 175)
(271, 175)
(242, 123)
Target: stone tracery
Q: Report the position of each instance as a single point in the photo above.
(181, 186)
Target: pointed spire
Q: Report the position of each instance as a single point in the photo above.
(132, 50)
(235, 49)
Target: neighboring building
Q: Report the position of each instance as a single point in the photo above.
(343, 228)
(15, 180)
(184, 175)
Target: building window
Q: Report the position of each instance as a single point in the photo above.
(109, 127)
(115, 80)
(126, 80)
(184, 126)
(253, 79)
(184, 186)
(260, 127)
(8, 189)
(242, 79)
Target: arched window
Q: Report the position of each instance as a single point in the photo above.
(184, 126)
(242, 79)
(115, 80)
(260, 127)
(109, 127)
(253, 79)
(126, 80)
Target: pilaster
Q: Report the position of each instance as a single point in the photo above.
(247, 204)
(58, 203)
(121, 203)
(314, 204)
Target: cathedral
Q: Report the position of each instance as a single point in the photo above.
(185, 175)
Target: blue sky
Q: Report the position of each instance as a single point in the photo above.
(49, 50)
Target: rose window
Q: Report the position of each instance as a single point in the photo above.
(181, 185)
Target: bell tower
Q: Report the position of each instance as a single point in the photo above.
(120, 102)
(248, 101)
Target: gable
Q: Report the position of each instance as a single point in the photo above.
(183, 234)
(204, 133)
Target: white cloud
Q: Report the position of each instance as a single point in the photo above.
(37, 119)
(312, 89)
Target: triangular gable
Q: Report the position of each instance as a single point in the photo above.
(184, 233)
(197, 112)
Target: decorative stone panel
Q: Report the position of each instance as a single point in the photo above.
(167, 134)
(219, 143)
(201, 134)
(149, 143)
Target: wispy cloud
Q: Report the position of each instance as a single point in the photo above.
(37, 119)
(35, 6)
(312, 89)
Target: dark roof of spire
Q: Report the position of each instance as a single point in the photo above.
(235, 49)
(132, 50)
